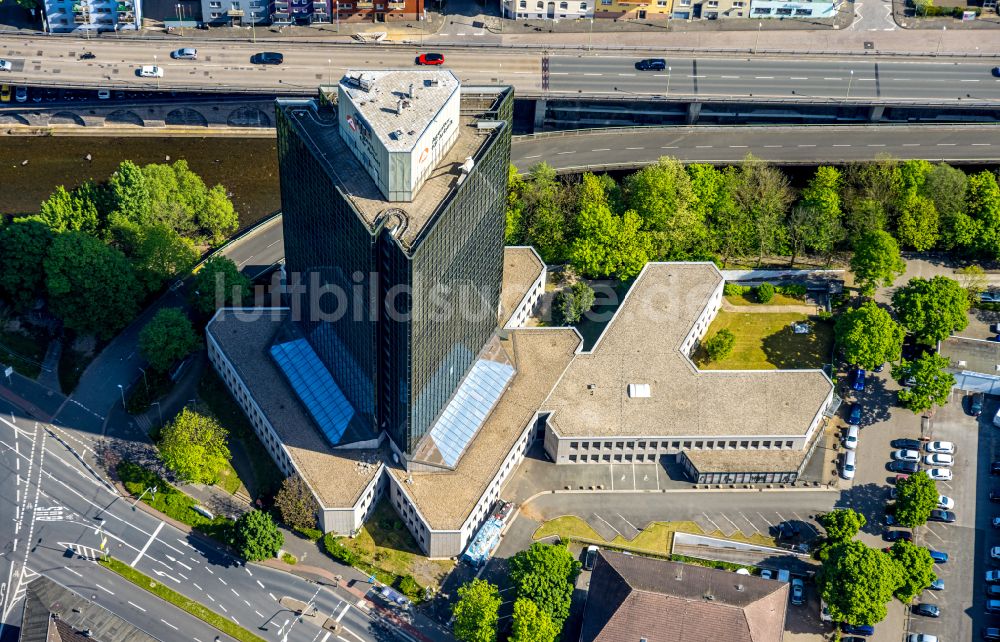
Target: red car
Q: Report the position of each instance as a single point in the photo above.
(430, 59)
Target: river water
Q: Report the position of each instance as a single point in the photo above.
(247, 167)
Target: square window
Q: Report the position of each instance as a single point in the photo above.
(699, 444)
(574, 445)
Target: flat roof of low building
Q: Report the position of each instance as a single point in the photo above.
(319, 129)
(338, 476)
(642, 345)
(972, 355)
(746, 461)
(376, 94)
(521, 268)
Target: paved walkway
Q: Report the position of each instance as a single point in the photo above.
(769, 309)
(49, 377)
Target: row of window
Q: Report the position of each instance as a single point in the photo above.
(540, 4)
(782, 11)
(747, 444)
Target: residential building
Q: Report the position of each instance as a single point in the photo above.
(54, 613)
(235, 13)
(975, 363)
(710, 9)
(549, 9)
(309, 11)
(64, 16)
(634, 9)
(793, 9)
(634, 598)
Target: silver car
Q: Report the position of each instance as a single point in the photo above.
(6, 65)
(185, 53)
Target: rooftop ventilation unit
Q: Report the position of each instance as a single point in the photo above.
(361, 81)
(468, 165)
(638, 390)
(432, 82)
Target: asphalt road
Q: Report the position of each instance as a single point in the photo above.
(226, 66)
(50, 513)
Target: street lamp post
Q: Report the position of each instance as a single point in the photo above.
(329, 71)
(178, 6)
(590, 40)
(144, 380)
(336, 5)
(151, 489)
(668, 83)
(850, 81)
(757, 39)
(159, 411)
(122, 390)
(157, 81)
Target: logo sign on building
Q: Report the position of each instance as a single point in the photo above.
(968, 15)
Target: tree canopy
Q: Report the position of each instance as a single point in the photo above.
(932, 309)
(531, 624)
(916, 497)
(931, 385)
(876, 261)
(842, 524)
(476, 612)
(720, 346)
(296, 503)
(218, 283)
(545, 574)
(25, 245)
(257, 536)
(193, 446)
(167, 338)
(571, 303)
(857, 582)
(917, 568)
(869, 336)
(662, 196)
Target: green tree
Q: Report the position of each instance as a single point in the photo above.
(91, 286)
(610, 245)
(476, 612)
(296, 503)
(764, 292)
(731, 233)
(821, 229)
(193, 445)
(916, 497)
(546, 219)
(129, 195)
(931, 383)
(871, 192)
(842, 524)
(572, 303)
(917, 568)
(544, 574)
(168, 337)
(865, 215)
(63, 211)
(876, 261)
(257, 536)
(932, 309)
(217, 217)
(857, 582)
(973, 279)
(945, 186)
(513, 232)
(218, 283)
(721, 345)
(22, 276)
(869, 336)
(531, 624)
(168, 204)
(982, 204)
(159, 253)
(762, 193)
(917, 225)
(662, 196)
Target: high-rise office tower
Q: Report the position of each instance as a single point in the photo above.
(393, 186)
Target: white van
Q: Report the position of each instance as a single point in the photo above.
(849, 465)
(851, 440)
(996, 419)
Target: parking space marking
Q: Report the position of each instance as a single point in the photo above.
(628, 522)
(755, 529)
(717, 527)
(780, 518)
(730, 521)
(939, 538)
(609, 524)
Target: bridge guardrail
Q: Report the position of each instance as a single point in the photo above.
(596, 131)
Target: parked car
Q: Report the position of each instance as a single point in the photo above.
(854, 416)
(976, 402)
(5, 93)
(995, 554)
(993, 590)
(858, 380)
(927, 610)
(849, 465)
(767, 574)
(945, 503)
(995, 496)
(908, 467)
(430, 59)
(989, 296)
(651, 64)
(906, 455)
(995, 468)
(909, 444)
(150, 71)
(996, 418)
(940, 474)
(589, 558)
(184, 53)
(937, 585)
(799, 591)
(786, 530)
(939, 459)
(938, 556)
(852, 638)
(993, 576)
(896, 535)
(858, 629)
(103, 94)
(945, 447)
(6, 65)
(996, 522)
(991, 632)
(943, 516)
(993, 606)
(267, 58)
(851, 438)
(921, 637)
(21, 94)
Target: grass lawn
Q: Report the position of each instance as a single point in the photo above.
(766, 342)
(386, 545)
(656, 538)
(23, 350)
(229, 481)
(196, 609)
(751, 299)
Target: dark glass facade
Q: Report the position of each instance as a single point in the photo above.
(434, 305)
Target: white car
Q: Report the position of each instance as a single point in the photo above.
(6, 65)
(921, 637)
(945, 447)
(851, 440)
(939, 459)
(906, 455)
(151, 71)
(939, 474)
(995, 553)
(945, 503)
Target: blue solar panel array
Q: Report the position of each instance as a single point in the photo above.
(315, 387)
(467, 410)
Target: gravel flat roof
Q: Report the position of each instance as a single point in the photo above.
(751, 461)
(641, 345)
(521, 267)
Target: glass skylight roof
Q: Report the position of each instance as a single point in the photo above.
(468, 408)
(315, 387)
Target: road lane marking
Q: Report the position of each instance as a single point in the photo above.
(259, 614)
(234, 592)
(911, 144)
(756, 530)
(969, 80)
(347, 630)
(136, 605)
(798, 78)
(146, 547)
(806, 145)
(344, 612)
(209, 596)
(669, 147)
(247, 603)
(735, 527)
(833, 79)
(248, 571)
(103, 589)
(873, 145)
(717, 527)
(980, 144)
(234, 619)
(535, 156)
(946, 144)
(224, 609)
(168, 624)
(729, 77)
(773, 146)
(561, 153)
(223, 582)
(603, 149)
(737, 147)
(73, 572)
(764, 77)
(634, 148)
(703, 146)
(840, 145)
(259, 584)
(271, 595)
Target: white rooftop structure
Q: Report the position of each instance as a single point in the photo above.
(399, 124)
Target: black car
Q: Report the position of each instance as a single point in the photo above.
(651, 64)
(945, 516)
(993, 590)
(976, 404)
(907, 467)
(894, 536)
(989, 633)
(786, 530)
(995, 468)
(907, 444)
(267, 58)
(927, 610)
(852, 638)
(995, 496)
(996, 72)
